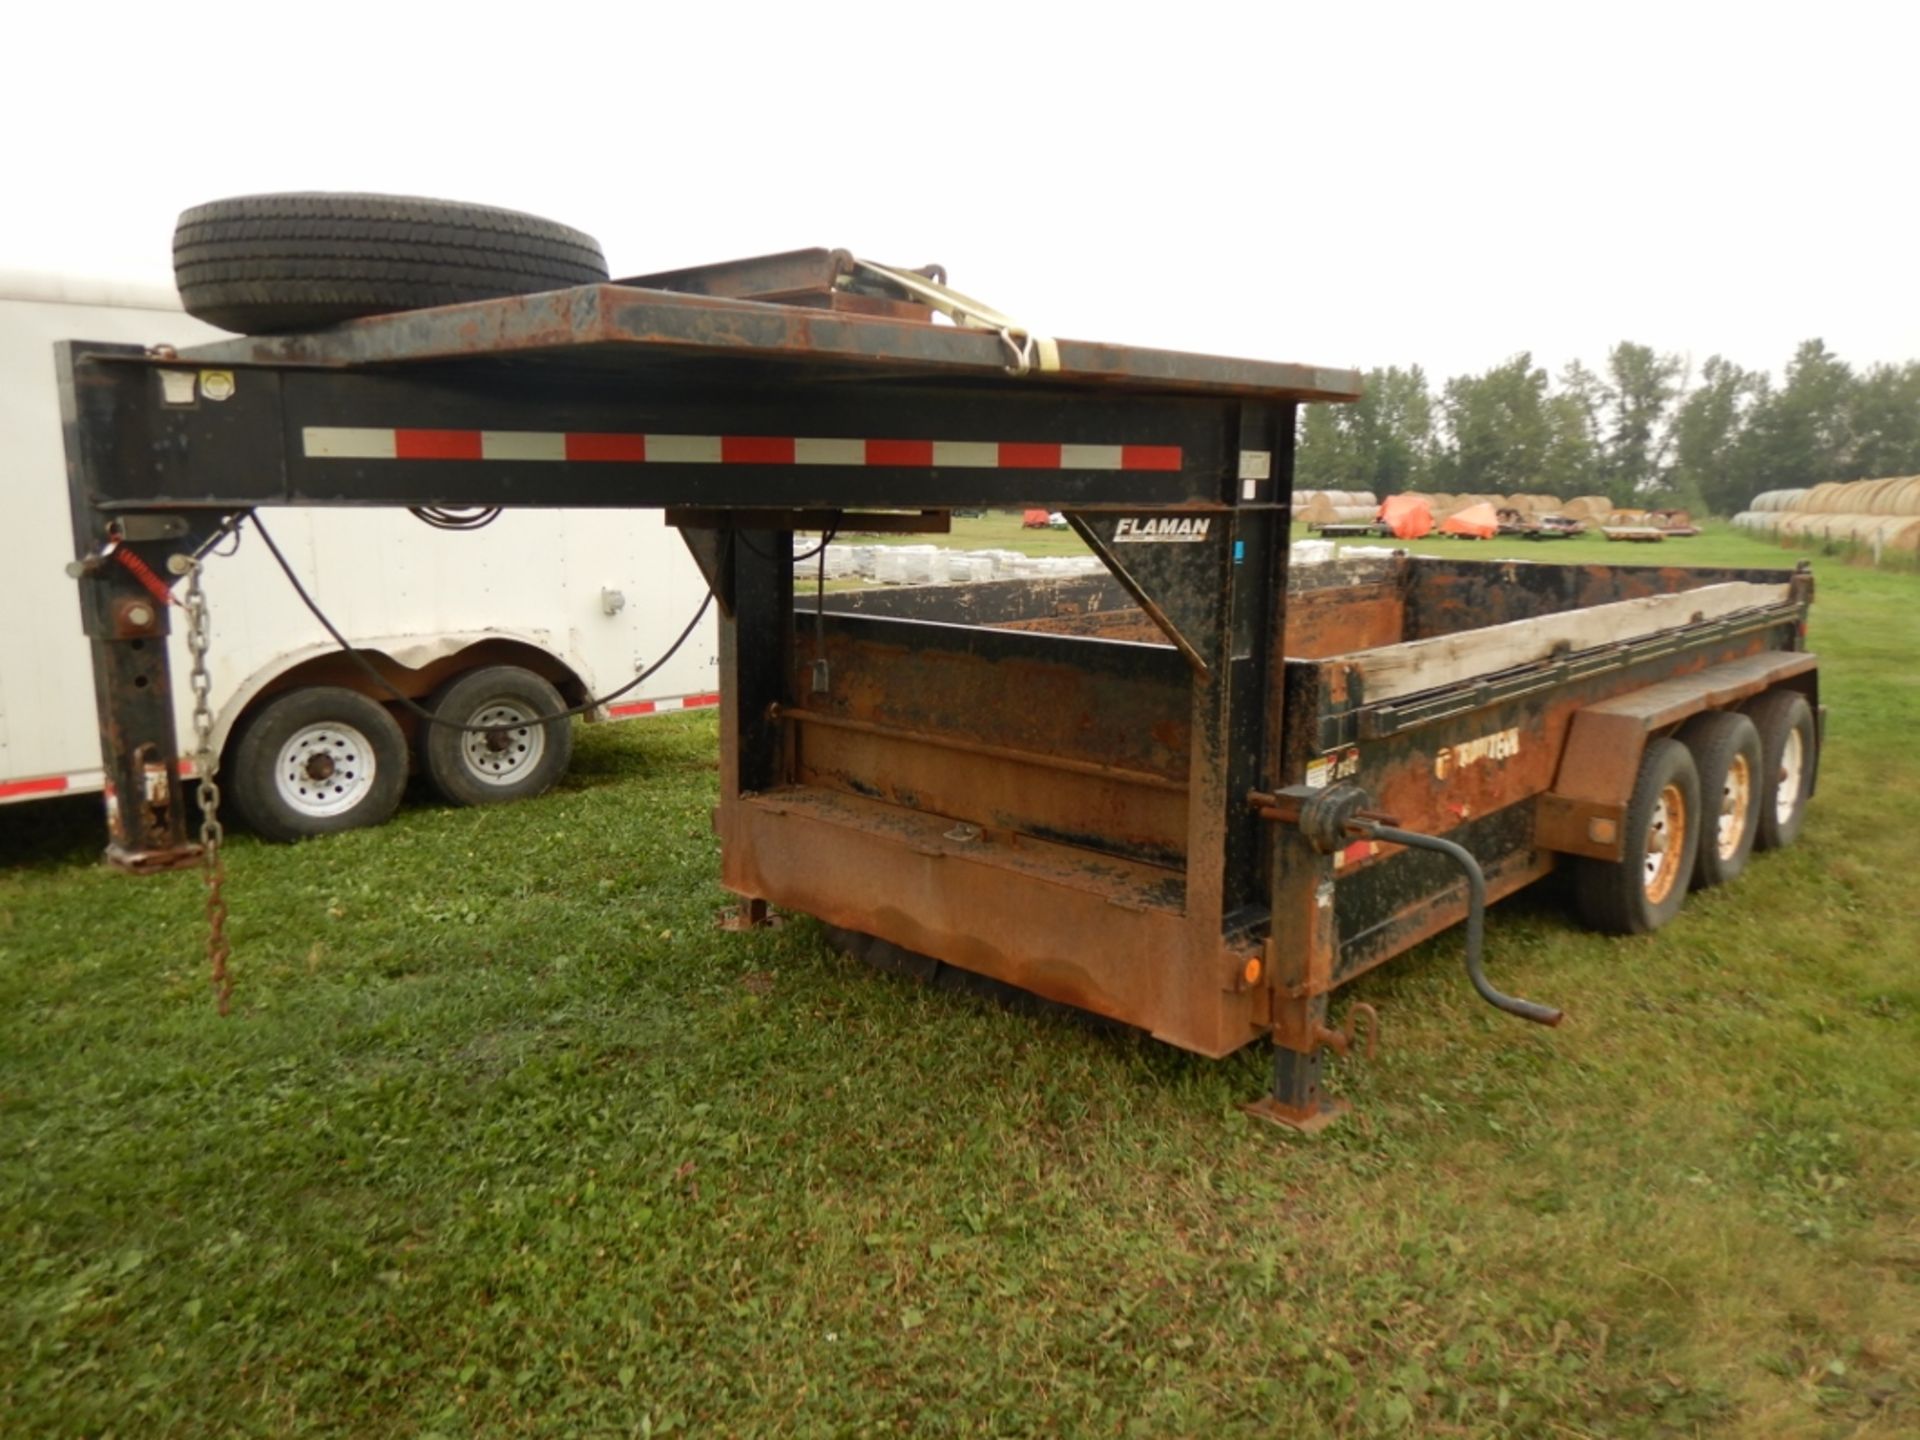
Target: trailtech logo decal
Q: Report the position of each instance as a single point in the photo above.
(1501, 745)
(1138, 529)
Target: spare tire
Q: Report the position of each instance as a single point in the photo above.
(266, 264)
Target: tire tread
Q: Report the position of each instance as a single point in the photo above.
(1609, 894)
(264, 264)
(1774, 713)
(1715, 737)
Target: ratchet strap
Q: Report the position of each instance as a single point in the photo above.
(1027, 350)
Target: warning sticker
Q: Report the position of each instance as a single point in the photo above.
(1340, 765)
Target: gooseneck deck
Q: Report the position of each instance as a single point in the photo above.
(1141, 797)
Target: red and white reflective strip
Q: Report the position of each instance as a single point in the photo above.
(326, 442)
(661, 707)
(51, 785)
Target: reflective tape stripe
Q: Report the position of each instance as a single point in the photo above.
(328, 442)
(52, 785)
(632, 708)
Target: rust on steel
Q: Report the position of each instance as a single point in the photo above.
(1026, 809)
(1584, 811)
(682, 326)
(798, 716)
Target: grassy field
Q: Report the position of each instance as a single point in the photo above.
(995, 530)
(505, 1138)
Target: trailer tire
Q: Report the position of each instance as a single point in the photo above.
(1643, 890)
(265, 264)
(316, 761)
(1789, 751)
(513, 761)
(1726, 752)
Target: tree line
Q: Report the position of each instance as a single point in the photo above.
(1644, 430)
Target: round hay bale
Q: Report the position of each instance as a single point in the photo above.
(1879, 533)
(1793, 524)
(1318, 509)
(1885, 496)
(1907, 498)
(1860, 495)
(1820, 499)
(1588, 507)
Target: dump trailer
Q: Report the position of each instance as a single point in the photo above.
(1195, 795)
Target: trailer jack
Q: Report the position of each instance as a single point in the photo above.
(1476, 915)
(1327, 819)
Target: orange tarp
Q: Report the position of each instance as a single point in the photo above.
(1408, 516)
(1034, 520)
(1479, 521)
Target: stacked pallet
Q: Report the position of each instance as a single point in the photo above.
(1878, 514)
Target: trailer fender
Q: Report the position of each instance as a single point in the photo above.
(412, 658)
(1583, 813)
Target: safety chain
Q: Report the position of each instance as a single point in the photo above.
(213, 863)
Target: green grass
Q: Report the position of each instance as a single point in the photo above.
(505, 1138)
(995, 530)
(1717, 544)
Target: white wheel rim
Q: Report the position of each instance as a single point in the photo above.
(508, 748)
(1736, 793)
(1793, 761)
(324, 769)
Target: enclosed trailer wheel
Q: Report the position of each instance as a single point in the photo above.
(1643, 890)
(1726, 752)
(316, 761)
(1789, 746)
(514, 756)
(264, 264)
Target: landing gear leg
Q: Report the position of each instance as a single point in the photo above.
(1298, 1098)
(750, 914)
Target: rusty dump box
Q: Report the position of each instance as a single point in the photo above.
(1194, 795)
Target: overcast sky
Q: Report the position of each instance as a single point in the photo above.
(1356, 185)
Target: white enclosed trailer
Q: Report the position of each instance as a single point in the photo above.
(540, 610)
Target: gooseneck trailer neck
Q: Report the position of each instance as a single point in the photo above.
(1040, 803)
(748, 419)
